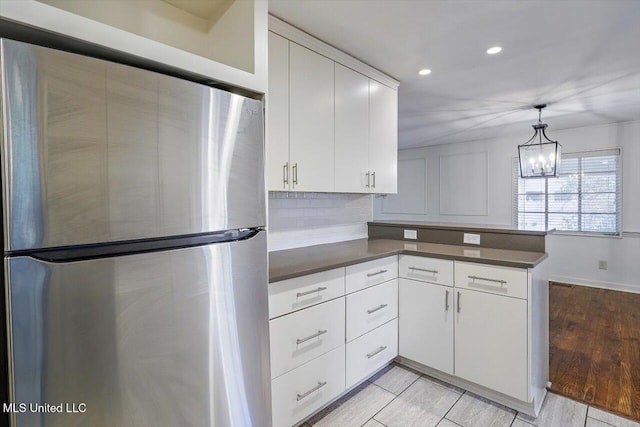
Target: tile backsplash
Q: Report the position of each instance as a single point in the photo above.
(304, 219)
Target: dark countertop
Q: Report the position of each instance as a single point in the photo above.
(290, 263)
(507, 229)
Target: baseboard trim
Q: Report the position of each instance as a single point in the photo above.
(612, 286)
(530, 408)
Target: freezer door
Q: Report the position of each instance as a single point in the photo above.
(101, 152)
(173, 338)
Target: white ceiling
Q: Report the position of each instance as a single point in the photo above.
(581, 57)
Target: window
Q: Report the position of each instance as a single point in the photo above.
(585, 198)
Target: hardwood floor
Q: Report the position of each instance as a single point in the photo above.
(594, 346)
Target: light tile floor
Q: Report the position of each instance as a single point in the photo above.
(400, 397)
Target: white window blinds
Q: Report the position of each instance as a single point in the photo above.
(585, 198)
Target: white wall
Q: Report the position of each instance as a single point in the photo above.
(304, 219)
(573, 259)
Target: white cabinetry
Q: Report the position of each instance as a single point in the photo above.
(352, 131)
(370, 352)
(366, 137)
(307, 337)
(300, 118)
(306, 334)
(426, 314)
(311, 124)
(323, 343)
(277, 111)
(383, 138)
(488, 332)
(371, 307)
(299, 393)
(491, 341)
(336, 120)
(294, 294)
(372, 318)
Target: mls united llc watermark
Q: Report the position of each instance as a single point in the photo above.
(67, 408)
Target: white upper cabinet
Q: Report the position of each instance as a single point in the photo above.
(341, 117)
(383, 138)
(311, 120)
(352, 131)
(278, 114)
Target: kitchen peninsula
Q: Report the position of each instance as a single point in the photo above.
(472, 314)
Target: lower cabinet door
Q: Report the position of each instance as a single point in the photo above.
(491, 341)
(426, 324)
(302, 391)
(370, 352)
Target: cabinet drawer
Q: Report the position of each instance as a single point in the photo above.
(304, 335)
(369, 308)
(493, 279)
(371, 352)
(432, 270)
(371, 273)
(301, 392)
(301, 292)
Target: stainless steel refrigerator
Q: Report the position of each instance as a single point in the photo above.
(135, 260)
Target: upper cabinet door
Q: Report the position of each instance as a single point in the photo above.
(278, 169)
(383, 138)
(311, 120)
(352, 131)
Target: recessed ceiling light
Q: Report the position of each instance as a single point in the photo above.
(424, 72)
(493, 50)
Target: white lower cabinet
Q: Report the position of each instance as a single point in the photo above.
(310, 323)
(491, 341)
(479, 326)
(426, 315)
(302, 391)
(370, 352)
(476, 330)
(370, 273)
(306, 334)
(371, 307)
(302, 292)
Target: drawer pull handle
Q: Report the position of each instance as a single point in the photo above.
(310, 337)
(376, 273)
(378, 350)
(486, 279)
(446, 301)
(458, 309)
(316, 388)
(301, 294)
(426, 270)
(380, 307)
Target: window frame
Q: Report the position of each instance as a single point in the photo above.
(579, 155)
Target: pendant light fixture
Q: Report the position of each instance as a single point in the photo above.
(539, 159)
